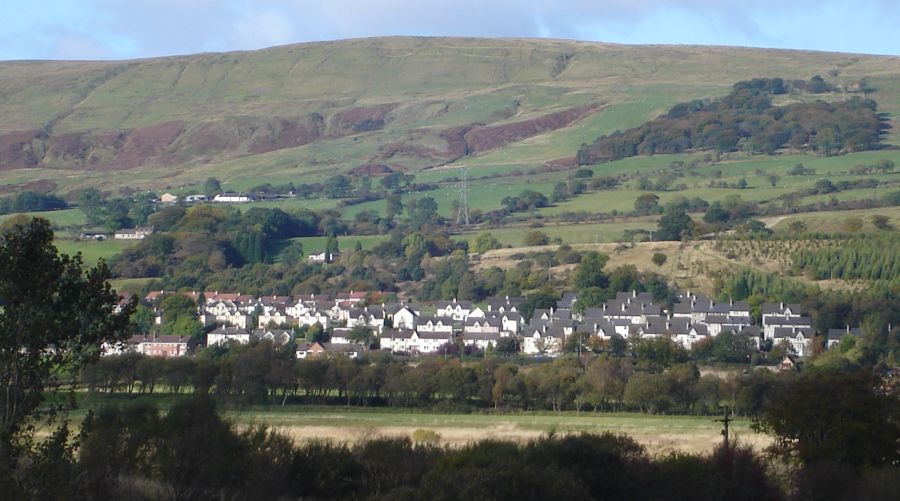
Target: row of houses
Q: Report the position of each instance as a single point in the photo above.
(402, 327)
(348, 310)
(693, 318)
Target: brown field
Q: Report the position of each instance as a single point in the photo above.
(659, 434)
(690, 265)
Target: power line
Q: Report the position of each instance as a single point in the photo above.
(726, 420)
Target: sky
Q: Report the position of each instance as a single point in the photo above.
(126, 29)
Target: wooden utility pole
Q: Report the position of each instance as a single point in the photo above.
(725, 421)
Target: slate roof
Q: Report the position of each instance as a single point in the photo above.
(790, 321)
(786, 332)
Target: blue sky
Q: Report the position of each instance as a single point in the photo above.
(123, 29)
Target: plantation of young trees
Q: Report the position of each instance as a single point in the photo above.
(868, 258)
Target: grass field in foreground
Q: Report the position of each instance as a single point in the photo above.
(351, 424)
(658, 433)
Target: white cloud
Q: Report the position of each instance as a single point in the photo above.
(141, 28)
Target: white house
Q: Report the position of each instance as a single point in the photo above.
(432, 324)
(275, 317)
(133, 233)
(836, 335)
(510, 321)
(276, 336)
(429, 342)
(299, 308)
(233, 198)
(312, 318)
(799, 339)
(480, 325)
(397, 340)
(324, 257)
(781, 310)
(481, 340)
(373, 319)
(504, 304)
(771, 323)
(404, 318)
(457, 310)
(340, 335)
(605, 329)
(226, 312)
(224, 335)
(409, 341)
(538, 341)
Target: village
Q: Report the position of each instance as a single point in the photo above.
(496, 324)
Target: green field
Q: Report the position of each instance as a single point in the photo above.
(92, 251)
(58, 218)
(128, 284)
(314, 245)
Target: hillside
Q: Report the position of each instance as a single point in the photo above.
(409, 104)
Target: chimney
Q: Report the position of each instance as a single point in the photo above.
(623, 306)
(782, 306)
(668, 325)
(634, 293)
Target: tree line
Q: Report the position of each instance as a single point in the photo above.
(652, 376)
(30, 201)
(746, 119)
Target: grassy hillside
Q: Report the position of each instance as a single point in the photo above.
(302, 112)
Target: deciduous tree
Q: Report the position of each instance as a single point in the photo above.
(55, 314)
